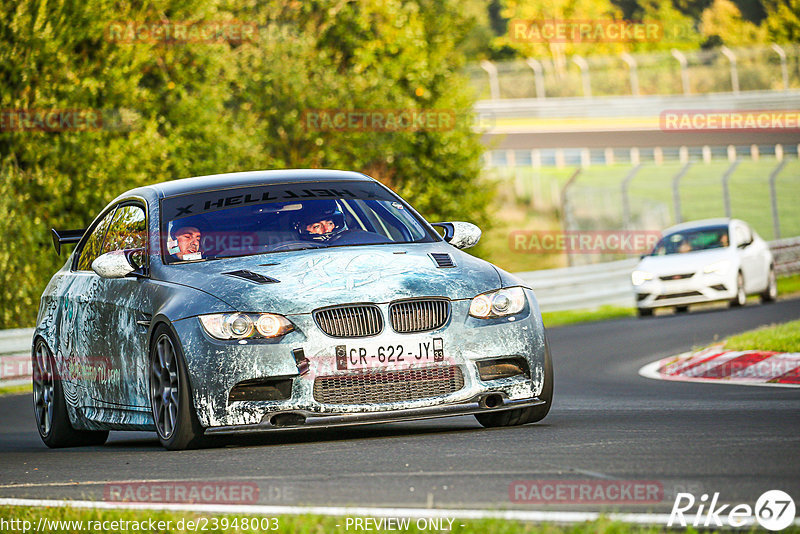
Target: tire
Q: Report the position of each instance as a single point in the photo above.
(681, 309)
(170, 394)
(771, 291)
(644, 312)
(741, 296)
(50, 408)
(522, 416)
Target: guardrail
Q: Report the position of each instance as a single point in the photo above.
(567, 288)
(584, 286)
(787, 255)
(626, 106)
(15, 355)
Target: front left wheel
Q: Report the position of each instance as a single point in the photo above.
(170, 394)
(50, 408)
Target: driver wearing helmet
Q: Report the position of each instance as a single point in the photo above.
(325, 223)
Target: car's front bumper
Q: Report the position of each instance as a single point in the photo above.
(306, 419)
(216, 367)
(700, 287)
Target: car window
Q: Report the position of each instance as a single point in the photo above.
(93, 246)
(692, 240)
(128, 231)
(276, 218)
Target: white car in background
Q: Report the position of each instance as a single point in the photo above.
(704, 261)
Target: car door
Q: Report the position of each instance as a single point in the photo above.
(83, 355)
(123, 309)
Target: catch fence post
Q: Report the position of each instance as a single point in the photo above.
(726, 192)
(676, 195)
(776, 223)
(626, 203)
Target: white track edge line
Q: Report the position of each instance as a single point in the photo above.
(441, 513)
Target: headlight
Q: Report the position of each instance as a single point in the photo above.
(640, 277)
(498, 303)
(717, 267)
(245, 325)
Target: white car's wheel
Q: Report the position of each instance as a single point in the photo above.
(771, 291)
(741, 296)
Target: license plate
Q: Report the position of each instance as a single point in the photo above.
(389, 355)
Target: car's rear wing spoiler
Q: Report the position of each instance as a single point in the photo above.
(61, 237)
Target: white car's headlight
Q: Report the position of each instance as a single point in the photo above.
(717, 267)
(640, 277)
(500, 303)
(245, 325)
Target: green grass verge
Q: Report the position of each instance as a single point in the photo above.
(784, 337)
(14, 390)
(101, 521)
(789, 285)
(560, 318)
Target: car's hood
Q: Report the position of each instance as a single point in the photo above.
(688, 262)
(314, 278)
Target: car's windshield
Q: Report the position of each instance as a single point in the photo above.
(692, 240)
(276, 218)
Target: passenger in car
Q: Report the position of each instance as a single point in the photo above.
(188, 243)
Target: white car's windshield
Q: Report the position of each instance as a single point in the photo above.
(692, 240)
(276, 218)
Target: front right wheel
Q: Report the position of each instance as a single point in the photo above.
(170, 394)
(771, 291)
(741, 296)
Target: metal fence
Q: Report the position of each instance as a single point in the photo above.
(717, 70)
(648, 195)
(764, 192)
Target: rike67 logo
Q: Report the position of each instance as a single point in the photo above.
(774, 510)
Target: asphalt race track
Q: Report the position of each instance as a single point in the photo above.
(607, 423)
